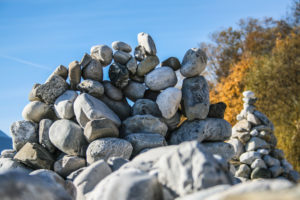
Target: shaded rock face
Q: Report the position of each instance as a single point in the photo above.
(209, 129)
(105, 148)
(193, 160)
(23, 132)
(143, 124)
(52, 89)
(17, 185)
(87, 108)
(195, 98)
(128, 184)
(35, 156)
(68, 137)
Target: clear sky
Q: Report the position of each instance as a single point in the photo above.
(38, 35)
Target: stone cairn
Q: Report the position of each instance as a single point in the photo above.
(84, 136)
(255, 145)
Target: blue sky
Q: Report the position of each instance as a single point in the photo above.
(38, 35)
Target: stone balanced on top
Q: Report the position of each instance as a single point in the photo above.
(255, 145)
(81, 128)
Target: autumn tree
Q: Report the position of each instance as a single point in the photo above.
(263, 56)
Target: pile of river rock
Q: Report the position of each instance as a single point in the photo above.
(83, 137)
(255, 145)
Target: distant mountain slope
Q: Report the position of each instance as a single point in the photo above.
(5, 141)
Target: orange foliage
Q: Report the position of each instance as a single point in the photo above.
(229, 90)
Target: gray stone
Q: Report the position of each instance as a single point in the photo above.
(118, 75)
(121, 57)
(64, 105)
(100, 128)
(44, 139)
(116, 163)
(217, 110)
(54, 180)
(7, 164)
(121, 46)
(121, 108)
(35, 156)
(244, 137)
(147, 65)
(143, 124)
(52, 89)
(93, 71)
(144, 107)
(161, 78)
(23, 132)
(193, 63)
(35, 111)
(278, 154)
(139, 53)
(61, 71)
(256, 143)
(168, 102)
(258, 163)
(15, 185)
(90, 177)
(173, 122)
(126, 185)
(172, 62)
(67, 164)
(146, 41)
(146, 160)
(74, 74)
(195, 97)
(203, 194)
(103, 53)
(190, 159)
(263, 151)
(254, 133)
(264, 119)
(249, 157)
(276, 171)
(180, 79)
(87, 108)
(253, 119)
(241, 126)
(261, 173)
(250, 101)
(134, 90)
(132, 66)
(225, 150)
(32, 95)
(238, 148)
(86, 59)
(91, 87)
(112, 92)
(294, 176)
(210, 129)
(105, 148)
(10, 153)
(73, 175)
(243, 171)
(270, 161)
(140, 141)
(248, 94)
(68, 137)
(256, 186)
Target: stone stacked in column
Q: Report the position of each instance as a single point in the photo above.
(256, 155)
